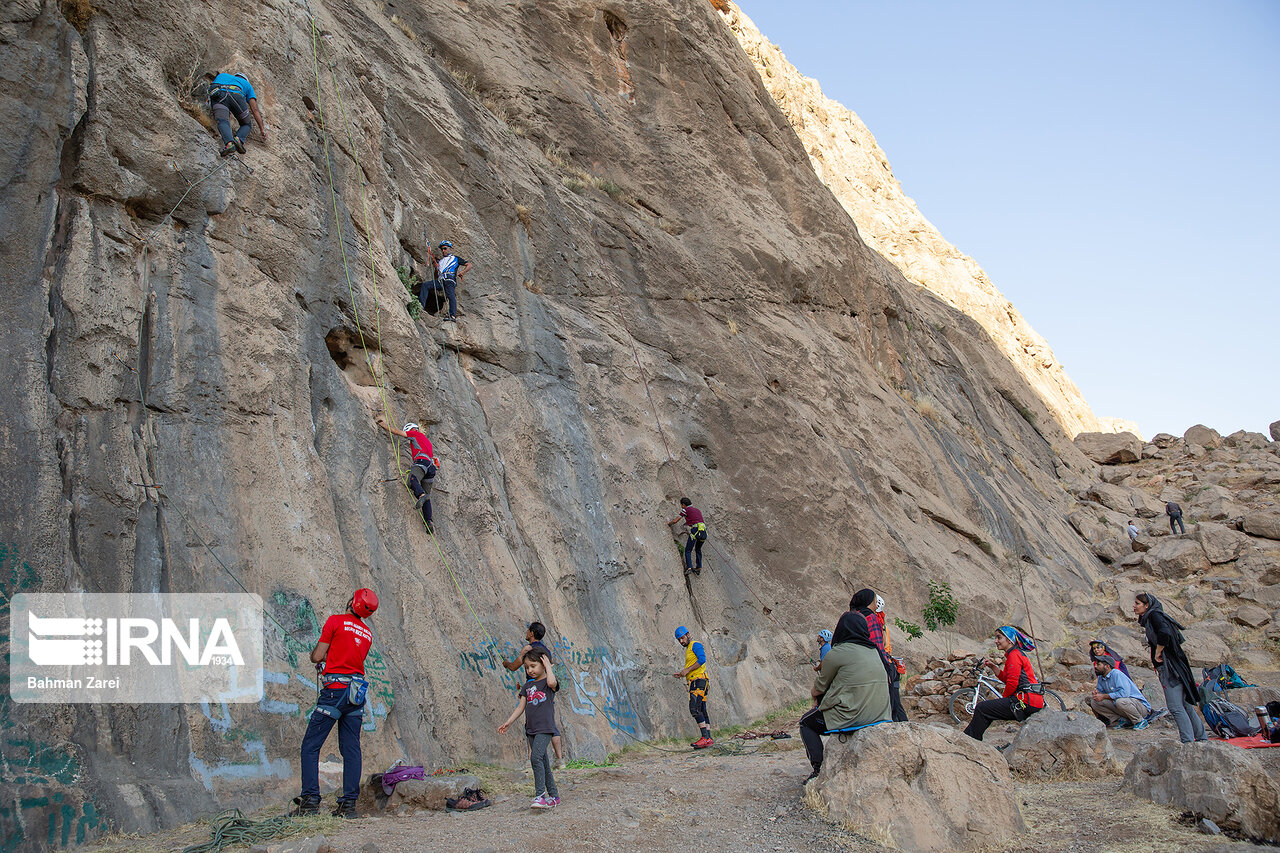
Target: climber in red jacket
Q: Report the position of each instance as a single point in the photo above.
(1018, 701)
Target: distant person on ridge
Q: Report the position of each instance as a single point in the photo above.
(695, 672)
(1174, 512)
(450, 271)
(1133, 531)
(232, 94)
(533, 640)
(423, 469)
(696, 527)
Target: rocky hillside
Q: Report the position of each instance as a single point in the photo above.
(846, 157)
(665, 299)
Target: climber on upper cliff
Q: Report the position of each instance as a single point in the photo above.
(339, 656)
(232, 94)
(450, 271)
(422, 471)
(696, 527)
(1174, 511)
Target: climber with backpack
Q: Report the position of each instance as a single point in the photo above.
(422, 470)
(339, 657)
(696, 528)
(232, 94)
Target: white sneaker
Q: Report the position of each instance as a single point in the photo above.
(539, 802)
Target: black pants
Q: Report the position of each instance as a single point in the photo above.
(698, 702)
(812, 728)
(226, 104)
(895, 701)
(990, 710)
(1176, 518)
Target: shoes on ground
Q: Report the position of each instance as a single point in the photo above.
(702, 742)
(304, 806)
(1140, 725)
(346, 810)
(539, 802)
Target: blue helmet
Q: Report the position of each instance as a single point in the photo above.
(445, 244)
(681, 631)
(824, 635)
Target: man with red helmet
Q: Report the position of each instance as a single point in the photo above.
(339, 658)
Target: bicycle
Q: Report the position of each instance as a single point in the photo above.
(964, 700)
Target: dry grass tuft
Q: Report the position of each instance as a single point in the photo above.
(574, 183)
(404, 28)
(531, 286)
(523, 214)
(78, 13)
(466, 80)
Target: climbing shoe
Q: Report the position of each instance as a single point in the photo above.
(346, 810)
(449, 320)
(238, 143)
(228, 149)
(702, 742)
(304, 806)
(812, 776)
(471, 799)
(1140, 725)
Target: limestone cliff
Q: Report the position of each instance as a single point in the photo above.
(665, 299)
(847, 158)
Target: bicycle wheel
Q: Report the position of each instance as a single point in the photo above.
(1049, 694)
(962, 703)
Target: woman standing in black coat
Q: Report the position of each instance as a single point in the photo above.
(1164, 636)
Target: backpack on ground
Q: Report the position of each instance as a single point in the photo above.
(1222, 677)
(1227, 719)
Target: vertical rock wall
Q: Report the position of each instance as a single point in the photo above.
(651, 247)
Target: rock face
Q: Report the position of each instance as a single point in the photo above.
(920, 787)
(1055, 743)
(1108, 448)
(1265, 524)
(662, 286)
(847, 158)
(1204, 436)
(1228, 785)
(1176, 558)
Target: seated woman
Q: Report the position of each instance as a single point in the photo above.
(1018, 702)
(1097, 649)
(851, 687)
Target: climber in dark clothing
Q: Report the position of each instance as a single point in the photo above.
(862, 602)
(1164, 636)
(232, 94)
(1174, 512)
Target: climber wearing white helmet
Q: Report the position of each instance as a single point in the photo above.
(824, 646)
(899, 713)
(422, 472)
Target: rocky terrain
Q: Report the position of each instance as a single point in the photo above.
(666, 299)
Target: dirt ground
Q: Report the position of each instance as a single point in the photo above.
(686, 802)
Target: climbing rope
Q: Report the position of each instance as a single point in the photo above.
(232, 828)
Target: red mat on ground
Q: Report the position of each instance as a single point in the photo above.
(1252, 742)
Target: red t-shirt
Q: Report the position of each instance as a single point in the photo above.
(691, 515)
(420, 445)
(1015, 666)
(349, 640)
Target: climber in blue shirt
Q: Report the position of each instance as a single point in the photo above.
(232, 94)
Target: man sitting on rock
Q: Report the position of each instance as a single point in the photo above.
(1117, 701)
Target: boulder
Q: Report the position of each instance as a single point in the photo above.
(1072, 655)
(1204, 436)
(1135, 560)
(1274, 429)
(1163, 439)
(936, 704)
(1116, 498)
(1214, 780)
(1112, 550)
(1251, 616)
(1176, 558)
(429, 793)
(1245, 439)
(1221, 544)
(1204, 643)
(1128, 640)
(1150, 451)
(919, 787)
(1052, 743)
(1264, 524)
(1109, 448)
(1088, 526)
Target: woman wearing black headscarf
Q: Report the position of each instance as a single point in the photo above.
(1164, 636)
(862, 602)
(850, 688)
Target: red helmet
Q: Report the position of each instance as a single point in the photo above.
(364, 602)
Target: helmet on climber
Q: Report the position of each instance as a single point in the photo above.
(364, 603)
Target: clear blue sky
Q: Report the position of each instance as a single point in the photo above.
(1114, 167)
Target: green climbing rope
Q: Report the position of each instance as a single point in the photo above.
(231, 827)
